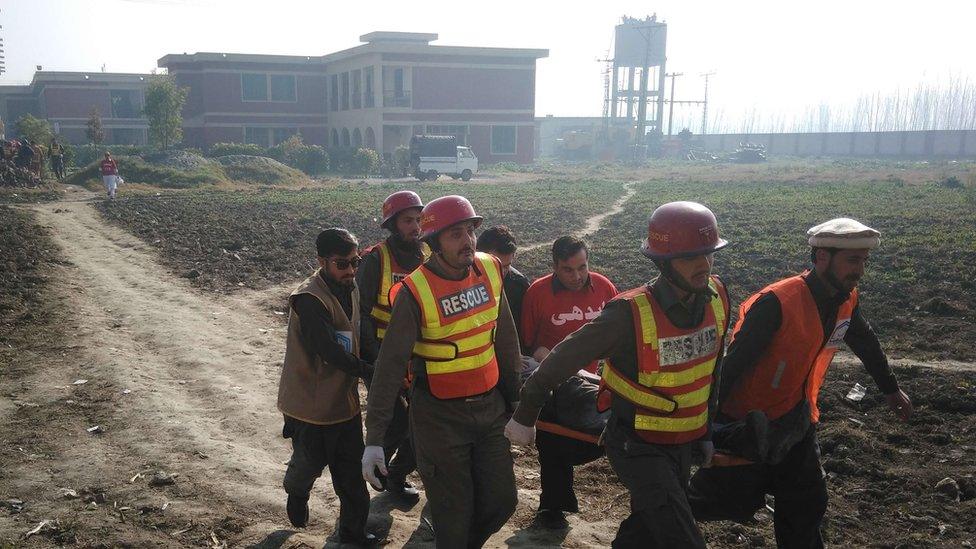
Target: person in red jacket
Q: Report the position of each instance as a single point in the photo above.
(555, 306)
(110, 174)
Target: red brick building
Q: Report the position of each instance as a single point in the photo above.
(374, 95)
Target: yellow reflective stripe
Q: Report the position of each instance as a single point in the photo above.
(719, 309)
(494, 275)
(381, 314)
(461, 364)
(386, 275)
(435, 333)
(670, 424)
(427, 303)
(677, 379)
(646, 319)
(440, 351)
(694, 398)
(380, 333)
(619, 385)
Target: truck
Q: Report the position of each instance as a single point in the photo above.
(434, 155)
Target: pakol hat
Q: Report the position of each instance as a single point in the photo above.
(845, 234)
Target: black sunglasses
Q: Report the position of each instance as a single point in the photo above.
(342, 263)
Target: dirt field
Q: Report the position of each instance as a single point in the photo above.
(102, 327)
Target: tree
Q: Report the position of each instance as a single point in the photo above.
(36, 129)
(164, 109)
(94, 130)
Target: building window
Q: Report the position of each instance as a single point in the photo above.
(395, 93)
(368, 100)
(334, 92)
(345, 137)
(335, 137)
(283, 88)
(264, 87)
(257, 136)
(344, 92)
(357, 92)
(254, 87)
(460, 132)
(279, 135)
(123, 105)
(503, 139)
(126, 136)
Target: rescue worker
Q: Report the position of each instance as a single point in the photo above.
(384, 265)
(781, 348)
(319, 388)
(110, 174)
(451, 322)
(662, 341)
(555, 306)
(500, 242)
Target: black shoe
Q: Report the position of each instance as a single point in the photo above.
(297, 511)
(369, 540)
(551, 519)
(403, 490)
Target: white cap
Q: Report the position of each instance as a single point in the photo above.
(844, 233)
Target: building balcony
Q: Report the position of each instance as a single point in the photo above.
(396, 99)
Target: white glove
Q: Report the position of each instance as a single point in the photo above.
(373, 458)
(518, 434)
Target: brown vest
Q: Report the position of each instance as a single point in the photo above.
(311, 390)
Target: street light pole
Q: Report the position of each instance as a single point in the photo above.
(705, 108)
(674, 76)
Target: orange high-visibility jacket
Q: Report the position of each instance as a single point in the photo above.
(675, 369)
(794, 365)
(457, 332)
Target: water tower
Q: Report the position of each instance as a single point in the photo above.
(638, 75)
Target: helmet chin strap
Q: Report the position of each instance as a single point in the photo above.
(668, 272)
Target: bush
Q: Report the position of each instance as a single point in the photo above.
(136, 170)
(365, 162)
(240, 149)
(342, 159)
(259, 169)
(86, 154)
(951, 182)
(311, 159)
(401, 161)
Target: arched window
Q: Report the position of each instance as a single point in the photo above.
(345, 137)
(357, 138)
(370, 139)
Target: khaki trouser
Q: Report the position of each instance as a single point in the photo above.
(465, 463)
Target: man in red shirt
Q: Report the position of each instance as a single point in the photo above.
(555, 306)
(110, 174)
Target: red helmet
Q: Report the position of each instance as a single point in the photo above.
(444, 212)
(681, 229)
(399, 201)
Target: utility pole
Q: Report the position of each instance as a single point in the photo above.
(705, 108)
(674, 76)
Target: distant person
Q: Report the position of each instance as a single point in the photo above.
(500, 242)
(319, 388)
(25, 154)
(110, 174)
(37, 158)
(56, 152)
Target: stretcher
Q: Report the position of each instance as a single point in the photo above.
(718, 460)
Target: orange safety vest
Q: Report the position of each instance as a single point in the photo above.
(390, 274)
(674, 369)
(457, 327)
(795, 364)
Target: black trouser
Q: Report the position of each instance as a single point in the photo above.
(656, 475)
(465, 462)
(397, 446)
(340, 446)
(557, 456)
(796, 483)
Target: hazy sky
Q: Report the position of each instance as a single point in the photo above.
(777, 56)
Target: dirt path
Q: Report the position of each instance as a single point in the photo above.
(593, 223)
(186, 382)
(200, 378)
